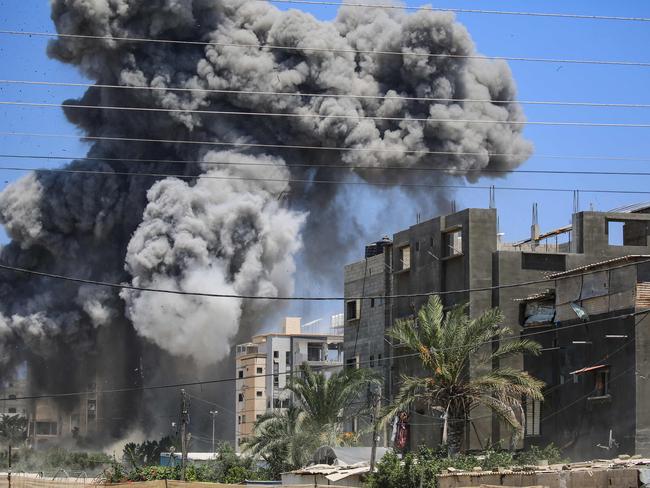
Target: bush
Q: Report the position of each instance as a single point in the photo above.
(419, 469)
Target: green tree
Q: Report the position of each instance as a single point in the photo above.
(445, 343)
(13, 429)
(321, 405)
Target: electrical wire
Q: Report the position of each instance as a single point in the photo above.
(287, 146)
(326, 95)
(326, 182)
(464, 10)
(305, 298)
(232, 379)
(235, 113)
(449, 170)
(322, 49)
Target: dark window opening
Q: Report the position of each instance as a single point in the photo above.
(538, 312)
(92, 410)
(240, 373)
(11, 410)
(601, 383)
(259, 393)
(372, 361)
(240, 397)
(12, 397)
(453, 242)
(417, 246)
(314, 352)
(276, 354)
(372, 303)
(287, 358)
(352, 309)
(46, 428)
(260, 370)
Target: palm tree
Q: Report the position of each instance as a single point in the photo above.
(13, 429)
(320, 407)
(445, 344)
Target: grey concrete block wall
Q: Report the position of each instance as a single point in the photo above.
(480, 265)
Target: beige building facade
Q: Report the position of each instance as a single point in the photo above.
(264, 365)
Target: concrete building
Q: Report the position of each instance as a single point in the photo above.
(463, 256)
(12, 389)
(265, 364)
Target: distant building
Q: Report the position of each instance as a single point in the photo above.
(264, 365)
(13, 390)
(463, 256)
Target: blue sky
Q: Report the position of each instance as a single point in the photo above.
(24, 58)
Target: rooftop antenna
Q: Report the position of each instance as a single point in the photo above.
(493, 197)
(534, 227)
(576, 201)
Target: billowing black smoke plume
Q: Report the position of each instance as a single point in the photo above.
(232, 236)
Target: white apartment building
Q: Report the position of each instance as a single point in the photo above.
(264, 365)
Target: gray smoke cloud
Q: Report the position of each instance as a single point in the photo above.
(222, 233)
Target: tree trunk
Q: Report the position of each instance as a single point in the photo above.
(455, 434)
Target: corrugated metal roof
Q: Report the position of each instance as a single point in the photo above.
(643, 294)
(548, 293)
(635, 207)
(629, 257)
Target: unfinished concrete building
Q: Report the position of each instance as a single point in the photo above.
(463, 251)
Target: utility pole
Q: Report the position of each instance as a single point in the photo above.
(376, 398)
(9, 471)
(185, 420)
(214, 414)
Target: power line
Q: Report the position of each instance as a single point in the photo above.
(318, 148)
(265, 375)
(326, 182)
(324, 49)
(465, 10)
(326, 95)
(332, 116)
(304, 298)
(450, 170)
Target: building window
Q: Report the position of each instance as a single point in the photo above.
(12, 397)
(259, 393)
(351, 363)
(240, 397)
(314, 352)
(538, 312)
(601, 383)
(353, 309)
(417, 246)
(627, 233)
(287, 358)
(405, 257)
(276, 354)
(92, 410)
(533, 417)
(260, 370)
(46, 428)
(372, 361)
(258, 416)
(453, 243)
(240, 373)
(372, 303)
(11, 410)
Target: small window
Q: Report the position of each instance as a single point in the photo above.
(11, 410)
(405, 257)
(533, 417)
(12, 397)
(240, 373)
(239, 419)
(314, 352)
(258, 416)
(417, 246)
(352, 363)
(259, 393)
(372, 361)
(287, 358)
(240, 397)
(431, 242)
(538, 312)
(353, 309)
(276, 354)
(601, 383)
(453, 243)
(372, 303)
(260, 371)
